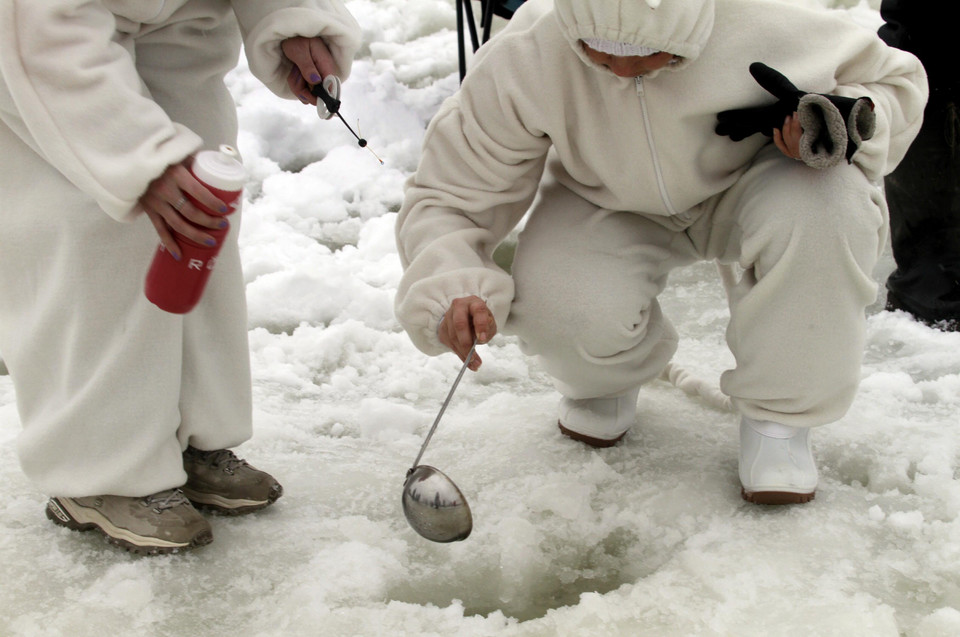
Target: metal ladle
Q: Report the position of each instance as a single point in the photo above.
(434, 506)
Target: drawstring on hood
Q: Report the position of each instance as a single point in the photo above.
(680, 27)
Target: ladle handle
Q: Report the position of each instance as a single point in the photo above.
(446, 402)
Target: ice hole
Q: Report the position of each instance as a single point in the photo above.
(526, 580)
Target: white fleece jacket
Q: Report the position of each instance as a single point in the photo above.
(532, 99)
(72, 93)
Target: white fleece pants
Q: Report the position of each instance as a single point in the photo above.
(109, 388)
(587, 281)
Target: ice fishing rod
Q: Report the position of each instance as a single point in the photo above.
(328, 94)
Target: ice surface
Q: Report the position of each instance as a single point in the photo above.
(646, 538)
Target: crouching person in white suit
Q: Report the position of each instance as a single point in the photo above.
(639, 137)
(102, 104)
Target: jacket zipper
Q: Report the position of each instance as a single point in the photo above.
(665, 198)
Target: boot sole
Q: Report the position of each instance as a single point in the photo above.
(226, 506)
(599, 443)
(776, 497)
(59, 513)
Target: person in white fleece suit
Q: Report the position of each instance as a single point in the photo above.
(601, 121)
(102, 104)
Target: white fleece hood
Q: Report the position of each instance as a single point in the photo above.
(680, 27)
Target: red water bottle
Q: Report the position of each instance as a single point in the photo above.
(176, 286)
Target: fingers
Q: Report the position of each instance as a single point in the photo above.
(299, 87)
(312, 61)
(792, 132)
(778, 142)
(787, 138)
(187, 183)
(321, 59)
(772, 80)
(163, 231)
(297, 50)
(467, 318)
(169, 209)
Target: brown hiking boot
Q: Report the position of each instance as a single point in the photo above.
(221, 481)
(161, 523)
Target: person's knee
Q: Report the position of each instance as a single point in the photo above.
(819, 212)
(848, 215)
(585, 328)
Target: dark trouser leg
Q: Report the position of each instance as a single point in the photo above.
(923, 194)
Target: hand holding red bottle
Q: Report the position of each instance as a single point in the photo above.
(192, 226)
(171, 211)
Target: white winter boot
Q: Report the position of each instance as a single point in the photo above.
(599, 422)
(776, 463)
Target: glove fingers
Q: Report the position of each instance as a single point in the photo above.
(740, 123)
(774, 82)
(736, 124)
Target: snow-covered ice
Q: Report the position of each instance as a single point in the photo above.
(647, 538)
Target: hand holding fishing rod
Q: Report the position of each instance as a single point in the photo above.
(311, 60)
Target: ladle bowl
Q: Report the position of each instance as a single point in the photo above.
(432, 503)
(434, 506)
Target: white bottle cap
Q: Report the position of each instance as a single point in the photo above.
(220, 169)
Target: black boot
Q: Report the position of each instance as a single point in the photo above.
(923, 194)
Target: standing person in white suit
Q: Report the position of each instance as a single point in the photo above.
(102, 104)
(635, 139)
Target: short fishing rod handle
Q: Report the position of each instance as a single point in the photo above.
(328, 96)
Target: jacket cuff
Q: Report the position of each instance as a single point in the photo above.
(421, 308)
(339, 31)
(181, 146)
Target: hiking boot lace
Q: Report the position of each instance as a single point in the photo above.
(220, 458)
(164, 500)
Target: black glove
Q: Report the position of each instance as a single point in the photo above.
(833, 126)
